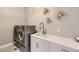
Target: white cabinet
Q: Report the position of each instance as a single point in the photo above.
(41, 44)
(54, 47)
(38, 45)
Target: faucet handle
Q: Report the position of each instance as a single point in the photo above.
(76, 38)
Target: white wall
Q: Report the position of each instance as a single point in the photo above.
(8, 18)
(69, 27)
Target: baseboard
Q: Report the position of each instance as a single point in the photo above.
(6, 45)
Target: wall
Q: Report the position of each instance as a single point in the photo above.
(8, 18)
(68, 27)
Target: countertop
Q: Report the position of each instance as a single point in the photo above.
(59, 40)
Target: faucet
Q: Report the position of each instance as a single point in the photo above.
(42, 28)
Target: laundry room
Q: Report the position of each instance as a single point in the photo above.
(39, 29)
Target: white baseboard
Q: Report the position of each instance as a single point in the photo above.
(6, 45)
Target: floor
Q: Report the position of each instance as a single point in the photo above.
(11, 48)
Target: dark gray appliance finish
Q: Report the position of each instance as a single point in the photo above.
(21, 37)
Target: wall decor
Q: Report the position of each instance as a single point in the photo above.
(49, 20)
(45, 11)
(60, 14)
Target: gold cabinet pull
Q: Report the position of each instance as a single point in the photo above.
(37, 45)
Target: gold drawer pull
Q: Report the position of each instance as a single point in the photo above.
(37, 45)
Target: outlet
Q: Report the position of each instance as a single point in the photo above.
(58, 29)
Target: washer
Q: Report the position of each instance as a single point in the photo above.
(21, 37)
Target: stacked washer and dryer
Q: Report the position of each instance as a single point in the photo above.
(21, 37)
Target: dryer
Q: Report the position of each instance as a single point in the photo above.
(21, 37)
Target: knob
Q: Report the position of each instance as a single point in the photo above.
(76, 38)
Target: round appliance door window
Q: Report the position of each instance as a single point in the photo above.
(21, 34)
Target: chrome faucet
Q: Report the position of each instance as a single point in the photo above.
(42, 28)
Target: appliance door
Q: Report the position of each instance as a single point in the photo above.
(20, 34)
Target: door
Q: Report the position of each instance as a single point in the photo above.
(53, 47)
(38, 45)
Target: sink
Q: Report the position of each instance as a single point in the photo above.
(40, 34)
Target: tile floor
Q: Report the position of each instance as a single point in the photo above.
(9, 49)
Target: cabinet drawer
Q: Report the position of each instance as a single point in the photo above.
(68, 49)
(54, 47)
(38, 45)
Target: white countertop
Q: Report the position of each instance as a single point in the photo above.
(59, 40)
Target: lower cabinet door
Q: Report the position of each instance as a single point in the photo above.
(53, 47)
(38, 45)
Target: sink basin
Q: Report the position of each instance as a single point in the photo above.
(39, 34)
